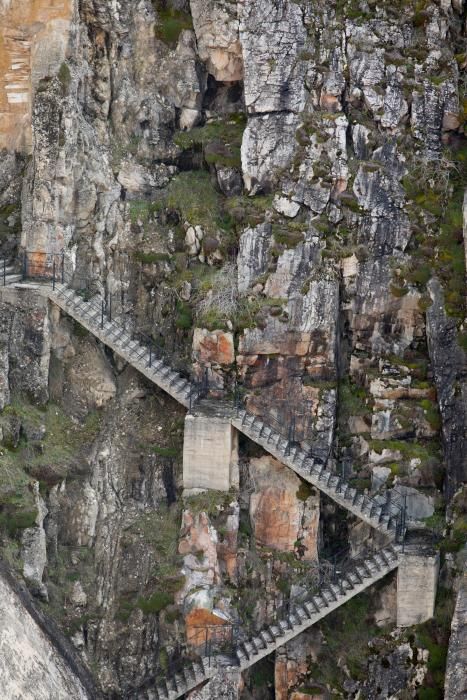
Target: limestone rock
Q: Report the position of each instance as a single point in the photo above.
(394, 670)
(193, 238)
(286, 207)
(78, 595)
(419, 505)
(34, 549)
(268, 146)
(216, 26)
(229, 181)
(198, 545)
(100, 388)
(272, 38)
(33, 45)
(456, 675)
(449, 364)
(139, 181)
(226, 685)
(253, 254)
(227, 548)
(25, 324)
(187, 85)
(290, 666)
(30, 665)
(379, 476)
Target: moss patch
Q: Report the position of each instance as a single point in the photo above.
(171, 23)
(47, 459)
(220, 141)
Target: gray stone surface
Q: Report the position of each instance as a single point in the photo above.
(226, 685)
(30, 666)
(24, 344)
(456, 670)
(450, 368)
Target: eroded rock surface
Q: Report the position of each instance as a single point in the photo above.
(30, 666)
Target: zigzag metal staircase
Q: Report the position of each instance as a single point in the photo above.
(384, 516)
(300, 616)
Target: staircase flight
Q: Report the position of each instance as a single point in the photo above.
(383, 516)
(301, 616)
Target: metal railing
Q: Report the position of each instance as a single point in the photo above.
(287, 427)
(215, 640)
(40, 265)
(99, 310)
(394, 505)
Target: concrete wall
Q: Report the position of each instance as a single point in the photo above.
(417, 580)
(210, 453)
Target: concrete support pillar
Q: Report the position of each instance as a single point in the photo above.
(210, 452)
(417, 580)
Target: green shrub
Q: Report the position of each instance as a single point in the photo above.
(64, 76)
(429, 694)
(304, 491)
(420, 275)
(166, 451)
(124, 610)
(150, 258)
(142, 210)
(155, 603)
(184, 318)
(13, 520)
(432, 413)
(170, 23)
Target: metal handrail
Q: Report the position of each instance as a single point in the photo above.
(395, 509)
(52, 267)
(96, 309)
(225, 638)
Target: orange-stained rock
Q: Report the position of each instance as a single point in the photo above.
(227, 548)
(279, 517)
(287, 672)
(203, 626)
(291, 667)
(213, 347)
(330, 103)
(33, 44)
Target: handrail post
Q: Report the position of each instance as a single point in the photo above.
(102, 314)
(53, 274)
(403, 517)
(63, 267)
(110, 307)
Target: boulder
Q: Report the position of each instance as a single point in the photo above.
(213, 347)
(286, 206)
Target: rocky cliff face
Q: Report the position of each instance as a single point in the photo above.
(31, 666)
(273, 191)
